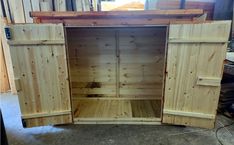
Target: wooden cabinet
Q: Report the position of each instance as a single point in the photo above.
(120, 75)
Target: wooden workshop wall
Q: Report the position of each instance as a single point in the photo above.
(18, 10)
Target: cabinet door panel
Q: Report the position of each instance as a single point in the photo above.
(194, 70)
(40, 68)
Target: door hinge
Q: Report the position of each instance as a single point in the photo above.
(24, 123)
(7, 33)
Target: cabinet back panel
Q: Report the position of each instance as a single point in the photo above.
(116, 72)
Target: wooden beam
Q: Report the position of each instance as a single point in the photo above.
(36, 42)
(46, 114)
(118, 14)
(118, 22)
(145, 121)
(209, 81)
(201, 40)
(188, 114)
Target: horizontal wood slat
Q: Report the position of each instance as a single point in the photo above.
(209, 81)
(17, 84)
(118, 119)
(46, 114)
(171, 40)
(189, 114)
(121, 14)
(35, 42)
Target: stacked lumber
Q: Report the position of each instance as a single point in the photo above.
(18, 10)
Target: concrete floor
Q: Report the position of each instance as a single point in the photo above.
(107, 134)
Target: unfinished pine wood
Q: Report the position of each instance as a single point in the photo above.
(92, 62)
(129, 110)
(86, 5)
(123, 22)
(27, 8)
(142, 52)
(209, 81)
(78, 5)
(116, 74)
(186, 62)
(60, 5)
(36, 5)
(45, 6)
(119, 14)
(7, 56)
(4, 81)
(104, 64)
(41, 72)
(18, 11)
(7, 10)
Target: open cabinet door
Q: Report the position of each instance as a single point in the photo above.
(196, 53)
(41, 76)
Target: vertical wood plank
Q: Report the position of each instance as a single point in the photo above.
(69, 5)
(4, 81)
(78, 5)
(35, 5)
(60, 5)
(17, 9)
(27, 8)
(86, 5)
(7, 10)
(45, 6)
(7, 56)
